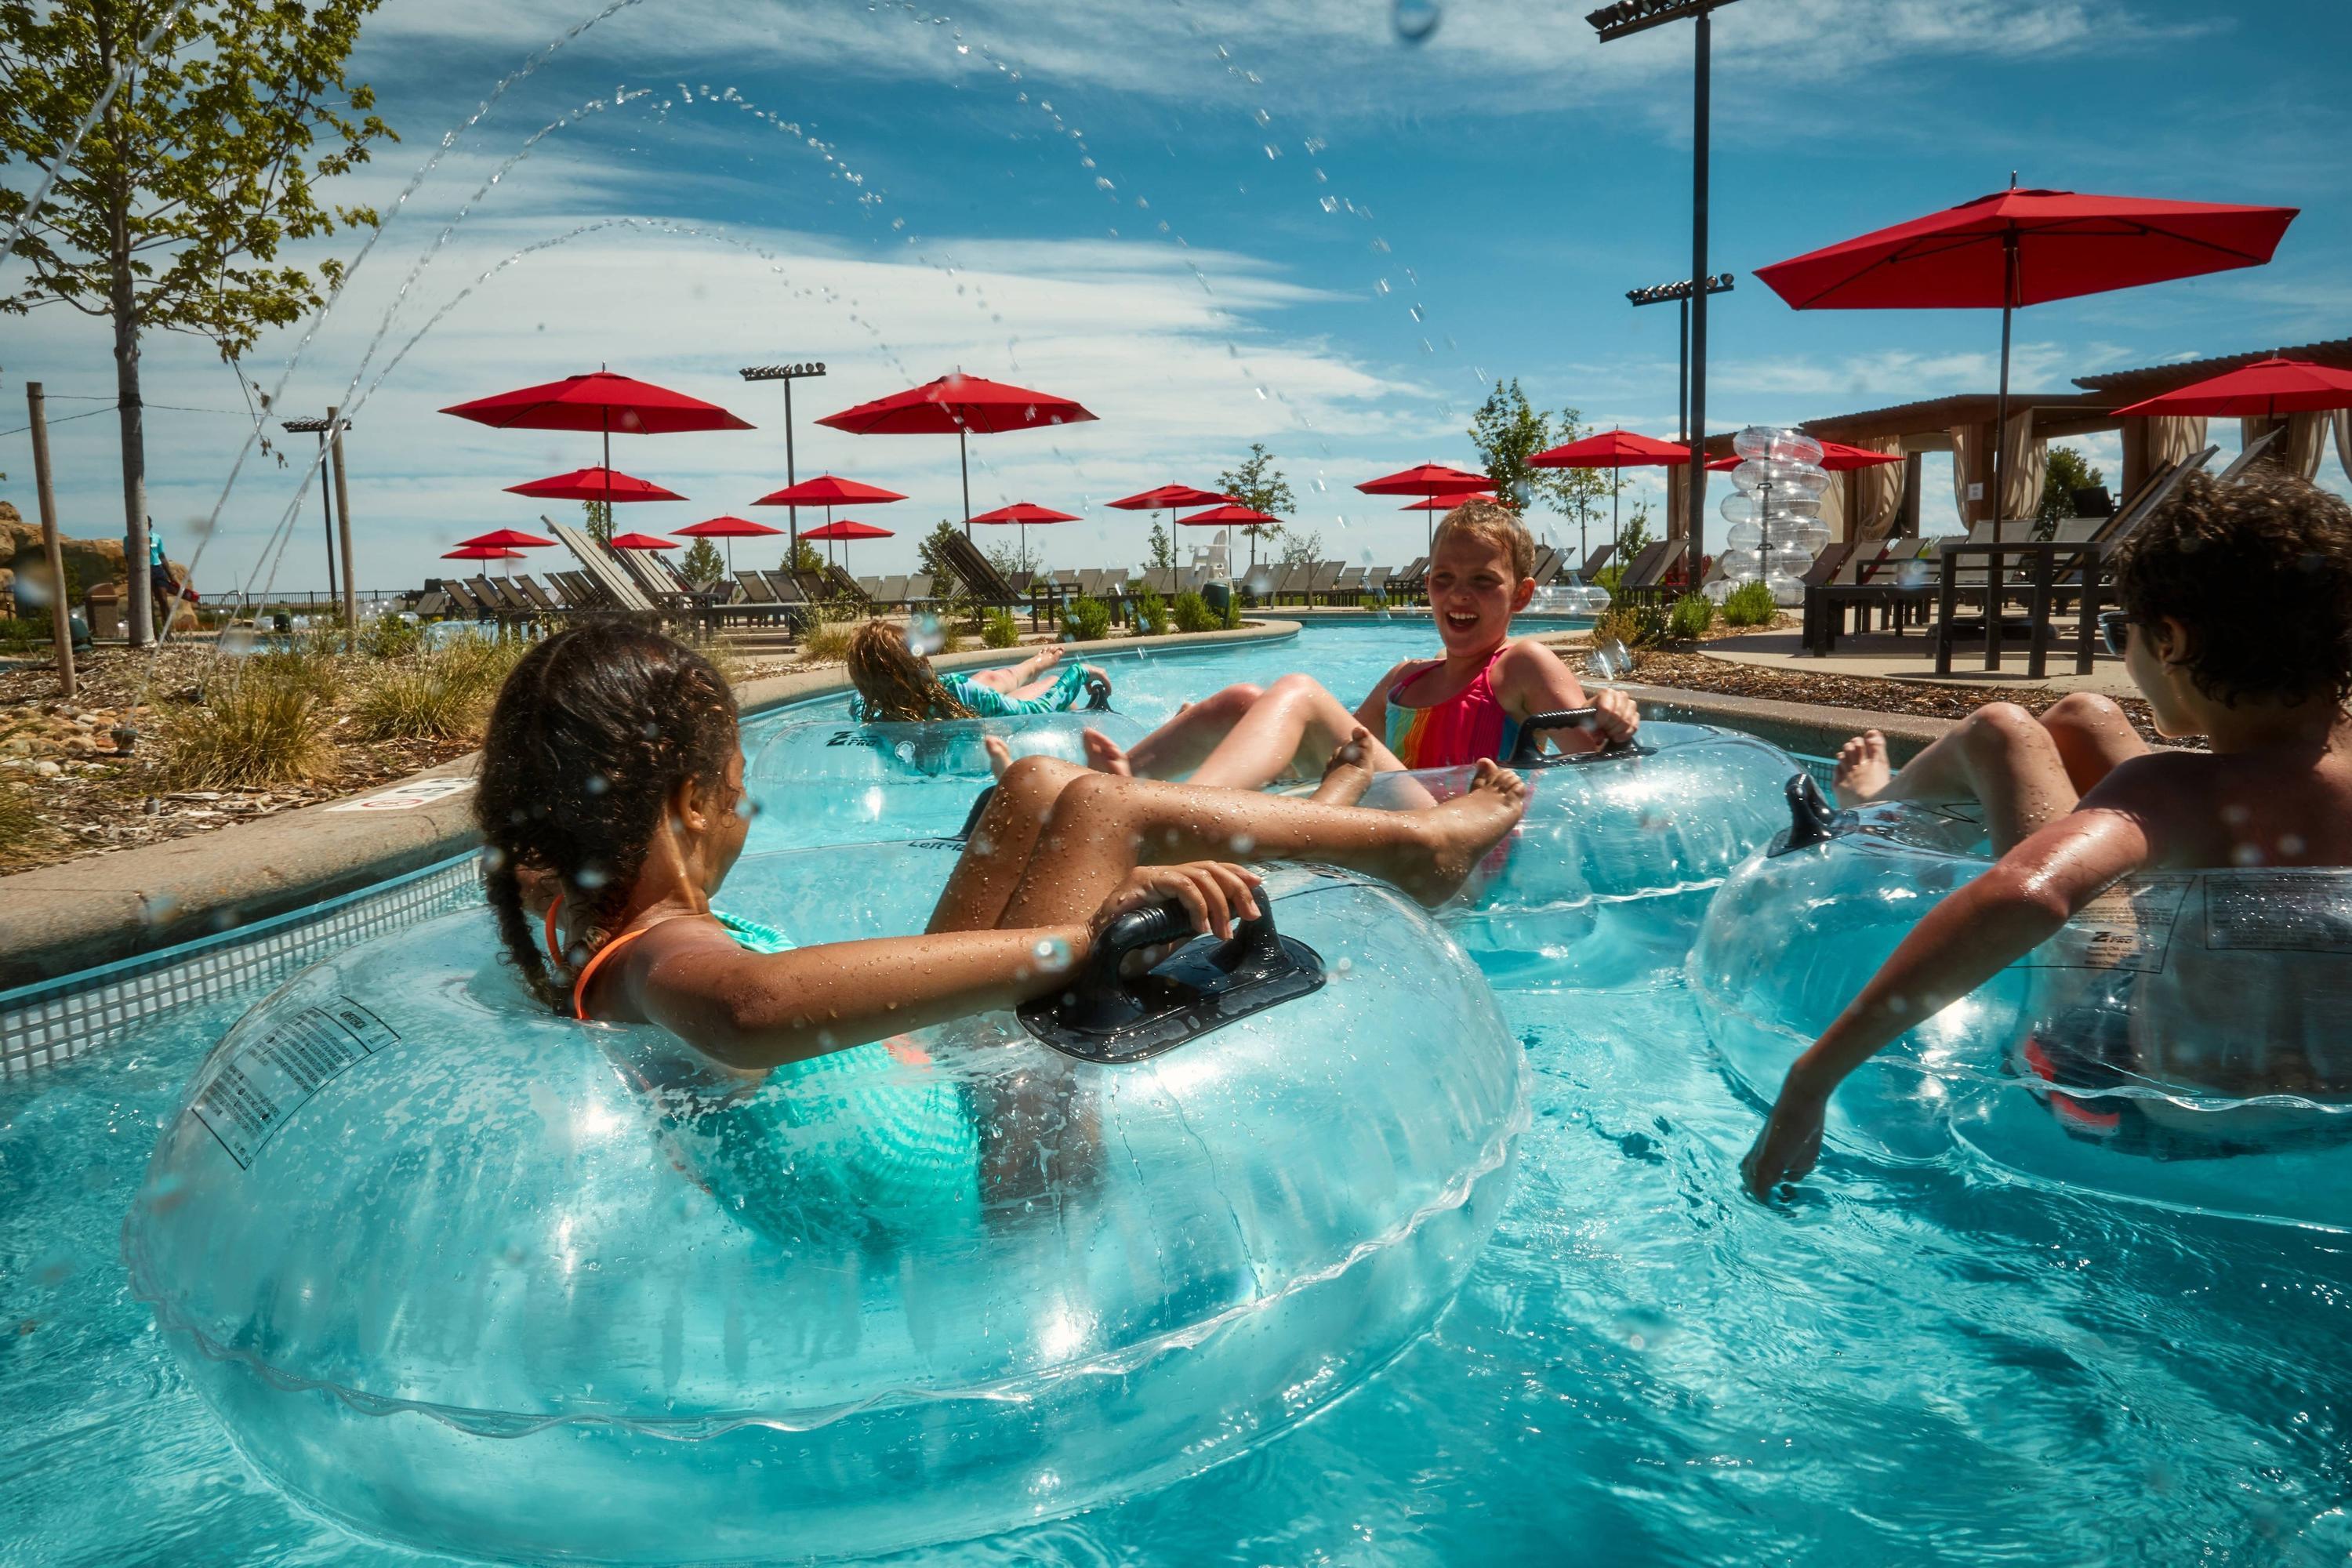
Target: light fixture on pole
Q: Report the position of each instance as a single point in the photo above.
(1623, 20)
(1680, 294)
(320, 427)
(787, 373)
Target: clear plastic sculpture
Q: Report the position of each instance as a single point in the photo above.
(1776, 528)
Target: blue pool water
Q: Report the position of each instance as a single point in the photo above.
(1925, 1364)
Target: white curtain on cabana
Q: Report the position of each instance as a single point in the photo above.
(2297, 450)
(2171, 439)
(1964, 458)
(1877, 492)
(2022, 459)
(2344, 440)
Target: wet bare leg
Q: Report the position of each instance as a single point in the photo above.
(1863, 770)
(1293, 727)
(1181, 743)
(1001, 842)
(1000, 755)
(1101, 828)
(2000, 755)
(2092, 735)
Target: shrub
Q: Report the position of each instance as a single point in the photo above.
(828, 641)
(1150, 613)
(999, 629)
(23, 633)
(1636, 625)
(1750, 605)
(1087, 619)
(388, 637)
(267, 726)
(1192, 614)
(419, 703)
(308, 663)
(1691, 615)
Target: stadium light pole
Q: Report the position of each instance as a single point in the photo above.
(787, 373)
(320, 427)
(1623, 20)
(1659, 294)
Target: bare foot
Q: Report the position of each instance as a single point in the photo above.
(1104, 754)
(1000, 755)
(1459, 833)
(1862, 771)
(1348, 774)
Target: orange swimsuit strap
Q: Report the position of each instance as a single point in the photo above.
(587, 970)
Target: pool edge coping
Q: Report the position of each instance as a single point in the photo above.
(74, 916)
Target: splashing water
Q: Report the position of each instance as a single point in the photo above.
(1414, 20)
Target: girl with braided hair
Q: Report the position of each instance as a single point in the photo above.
(896, 685)
(612, 800)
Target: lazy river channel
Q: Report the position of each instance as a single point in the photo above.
(1930, 1364)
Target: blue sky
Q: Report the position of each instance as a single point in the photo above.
(1211, 222)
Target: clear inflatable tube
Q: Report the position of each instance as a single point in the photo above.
(1609, 872)
(475, 1279)
(859, 777)
(2180, 1042)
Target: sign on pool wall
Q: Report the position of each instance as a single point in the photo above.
(407, 796)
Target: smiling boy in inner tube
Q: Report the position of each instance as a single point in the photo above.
(2236, 626)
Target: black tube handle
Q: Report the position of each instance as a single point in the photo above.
(1098, 694)
(1811, 818)
(1586, 717)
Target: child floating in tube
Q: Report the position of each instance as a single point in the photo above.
(1425, 713)
(896, 685)
(2236, 626)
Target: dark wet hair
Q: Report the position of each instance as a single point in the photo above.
(2259, 570)
(898, 683)
(591, 734)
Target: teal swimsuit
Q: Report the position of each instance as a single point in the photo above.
(854, 1141)
(987, 702)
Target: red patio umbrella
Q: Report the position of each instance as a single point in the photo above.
(2263, 389)
(825, 491)
(2019, 247)
(1432, 479)
(845, 529)
(1836, 458)
(730, 529)
(508, 538)
(594, 484)
(1232, 513)
(1610, 449)
(962, 403)
(1446, 503)
(1025, 513)
(599, 401)
(1168, 499)
(638, 541)
(483, 552)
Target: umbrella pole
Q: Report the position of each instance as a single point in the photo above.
(963, 461)
(607, 422)
(2000, 410)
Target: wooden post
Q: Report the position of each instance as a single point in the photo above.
(343, 528)
(61, 611)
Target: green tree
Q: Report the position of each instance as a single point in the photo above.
(808, 559)
(949, 589)
(1163, 549)
(702, 563)
(1297, 548)
(1633, 534)
(1260, 486)
(600, 520)
(204, 160)
(1011, 556)
(1507, 430)
(2064, 471)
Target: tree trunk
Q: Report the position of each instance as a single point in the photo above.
(123, 304)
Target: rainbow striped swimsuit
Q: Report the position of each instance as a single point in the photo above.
(1457, 733)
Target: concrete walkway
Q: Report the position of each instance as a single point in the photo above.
(1912, 657)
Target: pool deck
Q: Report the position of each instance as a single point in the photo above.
(1884, 656)
(57, 921)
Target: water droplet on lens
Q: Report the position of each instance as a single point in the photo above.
(1052, 954)
(1416, 19)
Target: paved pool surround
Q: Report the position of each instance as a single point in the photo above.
(57, 921)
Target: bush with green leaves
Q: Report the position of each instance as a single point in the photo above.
(390, 637)
(1637, 626)
(265, 725)
(1192, 614)
(1690, 618)
(999, 629)
(1750, 605)
(1086, 619)
(1150, 613)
